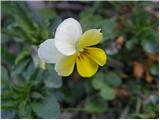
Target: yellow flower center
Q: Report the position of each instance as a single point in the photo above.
(82, 53)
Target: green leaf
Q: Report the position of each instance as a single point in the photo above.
(36, 95)
(19, 34)
(35, 58)
(8, 103)
(154, 69)
(107, 93)
(89, 20)
(17, 69)
(29, 70)
(107, 26)
(22, 15)
(37, 77)
(98, 81)
(25, 110)
(8, 114)
(138, 19)
(52, 80)
(113, 79)
(5, 80)
(95, 106)
(23, 19)
(150, 46)
(5, 75)
(47, 109)
(149, 41)
(130, 44)
(24, 54)
(7, 56)
(47, 13)
(8, 95)
(54, 24)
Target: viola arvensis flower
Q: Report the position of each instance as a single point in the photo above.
(70, 47)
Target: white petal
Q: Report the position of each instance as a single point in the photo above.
(66, 36)
(48, 52)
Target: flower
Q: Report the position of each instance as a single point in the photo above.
(71, 48)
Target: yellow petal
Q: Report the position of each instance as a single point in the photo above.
(65, 65)
(85, 66)
(96, 54)
(89, 38)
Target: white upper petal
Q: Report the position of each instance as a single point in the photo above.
(66, 36)
(48, 52)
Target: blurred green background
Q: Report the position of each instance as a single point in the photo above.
(126, 87)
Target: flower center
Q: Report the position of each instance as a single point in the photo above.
(80, 49)
(82, 53)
